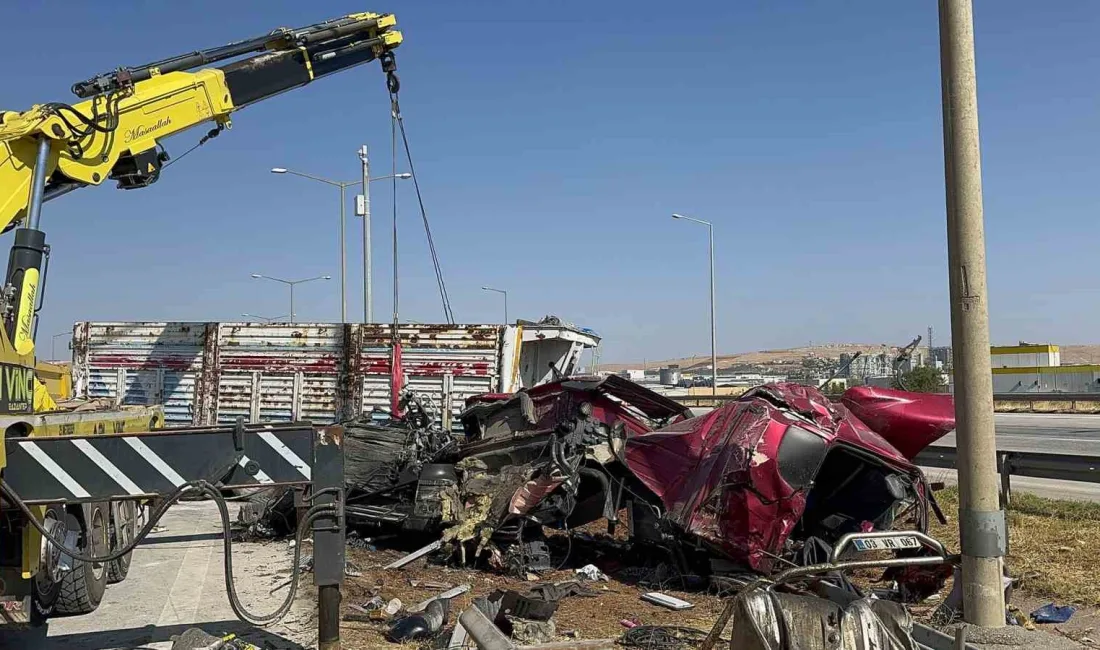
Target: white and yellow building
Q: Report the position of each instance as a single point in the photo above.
(1031, 368)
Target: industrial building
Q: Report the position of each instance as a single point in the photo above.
(879, 366)
(1025, 355)
(1037, 368)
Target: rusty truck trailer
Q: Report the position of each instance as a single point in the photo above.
(207, 373)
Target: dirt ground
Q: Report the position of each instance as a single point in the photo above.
(595, 617)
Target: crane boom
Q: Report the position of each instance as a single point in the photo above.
(116, 132)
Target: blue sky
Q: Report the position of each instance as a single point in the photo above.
(552, 141)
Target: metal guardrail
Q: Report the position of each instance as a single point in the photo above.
(1047, 397)
(1062, 467)
(703, 400)
(711, 400)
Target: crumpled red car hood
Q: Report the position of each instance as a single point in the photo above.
(717, 475)
(908, 421)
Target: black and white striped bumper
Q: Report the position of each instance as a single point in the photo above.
(126, 466)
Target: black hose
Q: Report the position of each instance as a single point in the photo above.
(204, 487)
(88, 122)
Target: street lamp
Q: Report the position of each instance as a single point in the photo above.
(53, 344)
(367, 310)
(363, 210)
(505, 293)
(713, 336)
(266, 319)
(291, 283)
(343, 246)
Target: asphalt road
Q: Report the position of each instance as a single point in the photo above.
(176, 582)
(1053, 433)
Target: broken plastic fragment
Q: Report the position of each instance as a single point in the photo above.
(591, 572)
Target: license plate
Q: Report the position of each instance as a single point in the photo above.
(891, 543)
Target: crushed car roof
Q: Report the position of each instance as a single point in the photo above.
(654, 405)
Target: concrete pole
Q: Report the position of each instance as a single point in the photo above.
(982, 523)
(291, 285)
(368, 289)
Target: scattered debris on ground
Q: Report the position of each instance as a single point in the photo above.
(589, 610)
(1051, 613)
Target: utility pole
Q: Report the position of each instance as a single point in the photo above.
(364, 211)
(343, 264)
(981, 521)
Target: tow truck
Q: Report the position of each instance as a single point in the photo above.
(71, 492)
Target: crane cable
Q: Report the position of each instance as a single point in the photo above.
(393, 181)
(393, 85)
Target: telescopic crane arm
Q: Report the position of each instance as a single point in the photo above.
(116, 132)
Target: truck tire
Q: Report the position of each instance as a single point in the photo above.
(123, 530)
(82, 588)
(46, 584)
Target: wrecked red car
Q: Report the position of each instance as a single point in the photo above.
(778, 475)
(783, 473)
(774, 478)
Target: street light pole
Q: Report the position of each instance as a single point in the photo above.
(290, 284)
(368, 287)
(343, 244)
(505, 294)
(713, 327)
(368, 309)
(343, 263)
(266, 319)
(363, 210)
(983, 536)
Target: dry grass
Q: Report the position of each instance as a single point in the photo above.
(1054, 546)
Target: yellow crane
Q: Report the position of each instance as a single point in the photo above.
(116, 133)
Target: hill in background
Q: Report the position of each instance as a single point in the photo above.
(1071, 355)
